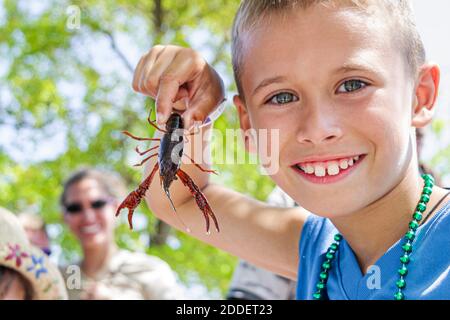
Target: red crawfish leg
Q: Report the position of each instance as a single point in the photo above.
(191, 133)
(138, 138)
(209, 211)
(143, 187)
(198, 166)
(152, 123)
(214, 218)
(187, 181)
(207, 221)
(199, 197)
(194, 132)
(130, 217)
(130, 202)
(145, 160)
(146, 151)
(135, 197)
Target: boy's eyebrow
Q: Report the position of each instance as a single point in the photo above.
(348, 67)
(268, 81)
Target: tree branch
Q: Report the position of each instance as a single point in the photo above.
(116, 49)
(158, 16)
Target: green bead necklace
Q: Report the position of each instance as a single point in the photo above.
(407, 247)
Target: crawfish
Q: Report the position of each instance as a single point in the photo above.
(169, 162)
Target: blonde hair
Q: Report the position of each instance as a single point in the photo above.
(400, 13)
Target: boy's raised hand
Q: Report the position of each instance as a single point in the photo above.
(175, 75)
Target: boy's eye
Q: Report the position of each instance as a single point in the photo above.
(351, 85)
(282, 98)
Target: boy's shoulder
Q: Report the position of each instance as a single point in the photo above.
(317, 234)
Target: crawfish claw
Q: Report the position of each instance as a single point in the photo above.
(130, 202)
(200, 199)
(135, 197)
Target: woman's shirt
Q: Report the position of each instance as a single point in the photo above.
(127, 276)
(428, 270)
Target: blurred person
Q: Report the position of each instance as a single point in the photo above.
(253, 283)
(35, 230)
(89, 202)
(26, 273)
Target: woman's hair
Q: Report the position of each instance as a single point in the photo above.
(110, 182)
(7, 276)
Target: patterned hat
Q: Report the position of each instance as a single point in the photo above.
(17, 254)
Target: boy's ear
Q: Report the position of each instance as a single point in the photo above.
(246, 126)
(425, 96)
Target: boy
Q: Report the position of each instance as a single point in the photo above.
(346, 83)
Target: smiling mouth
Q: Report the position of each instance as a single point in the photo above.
(91, 229)
(328, 169)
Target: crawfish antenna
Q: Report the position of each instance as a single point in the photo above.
(166, 189)
(170, 199)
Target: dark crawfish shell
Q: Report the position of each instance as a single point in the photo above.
(171, 149)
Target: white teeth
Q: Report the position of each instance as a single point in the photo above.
(91, 229)
(343, 164)
(319, 171)
(333, 168)
(309, 169)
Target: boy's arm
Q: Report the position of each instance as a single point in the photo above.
(265, 236)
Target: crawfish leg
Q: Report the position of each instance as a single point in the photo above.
(191, 133)
(138, 138)
(135, 197)
(198, 166)
(146, 151)
(145, 160)
(199, 198)
(152, 123)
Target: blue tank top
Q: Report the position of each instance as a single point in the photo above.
(429, 267)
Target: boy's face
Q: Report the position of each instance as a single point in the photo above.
(337, 87)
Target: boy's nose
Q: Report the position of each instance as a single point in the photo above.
(319, 127)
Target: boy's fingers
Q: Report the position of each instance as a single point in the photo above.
(137, 75)
(173, 84)
(168, 89)
(155, 68)
(207, 97)
(198, 111)
(182, 94)
(145, 62)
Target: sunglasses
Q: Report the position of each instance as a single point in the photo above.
(76, 208)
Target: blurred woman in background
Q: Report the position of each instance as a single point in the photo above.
(89, 202)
